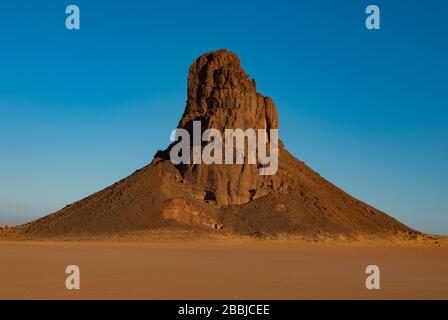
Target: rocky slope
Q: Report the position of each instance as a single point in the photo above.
(229, 199)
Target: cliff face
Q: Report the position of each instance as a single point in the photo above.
(221, 96)
(230, 198)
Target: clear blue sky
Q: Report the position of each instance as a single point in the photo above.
(368, 110)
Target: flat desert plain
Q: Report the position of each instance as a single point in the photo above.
(221, 270)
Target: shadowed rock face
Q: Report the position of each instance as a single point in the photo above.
(221, 96)
(234, 199)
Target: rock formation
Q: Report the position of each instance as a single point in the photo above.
(221, 96)
(234, 199)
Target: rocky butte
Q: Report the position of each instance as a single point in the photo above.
(218, 198)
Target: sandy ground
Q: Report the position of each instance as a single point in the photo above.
(220, 270)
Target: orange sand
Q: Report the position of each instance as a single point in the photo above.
(220, 270)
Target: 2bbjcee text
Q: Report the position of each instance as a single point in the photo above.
(225, 309)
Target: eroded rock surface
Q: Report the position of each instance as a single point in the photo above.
(221, 96)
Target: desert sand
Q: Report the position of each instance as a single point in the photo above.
(221, 269)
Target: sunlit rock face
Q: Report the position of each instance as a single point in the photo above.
(221, 96)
